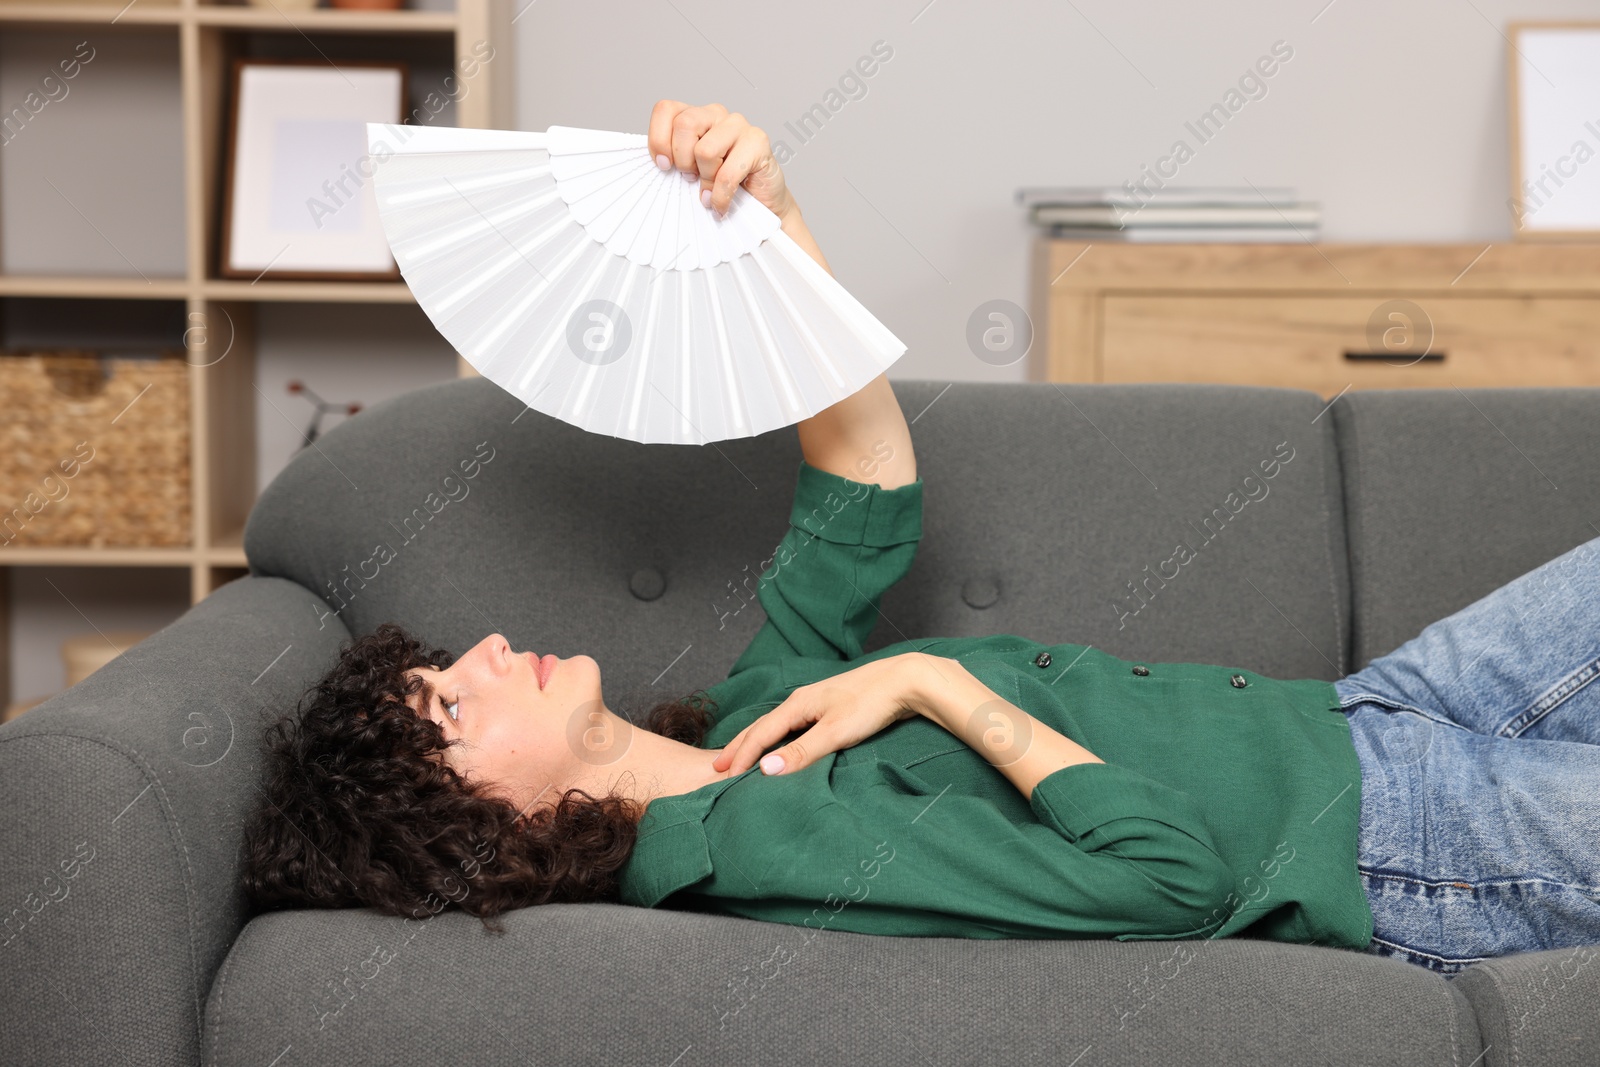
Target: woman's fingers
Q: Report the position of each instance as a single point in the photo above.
(659, 136)
(710, 154)
(761, 735)
(721, 761)
(722, 149)
(749, 150)
(688, 126)
(799, 752)
(774, 726)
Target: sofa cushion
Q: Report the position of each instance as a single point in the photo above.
(604, 983)
(1451, 494)
(1056, 512)
(1537, 1007)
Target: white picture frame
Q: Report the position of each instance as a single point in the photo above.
(1554, 93)
(298, 200)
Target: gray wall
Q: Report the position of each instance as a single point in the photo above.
(1391, 114)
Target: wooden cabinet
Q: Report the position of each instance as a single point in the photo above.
(1325, 318)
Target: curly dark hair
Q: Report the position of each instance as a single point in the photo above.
(357, 811)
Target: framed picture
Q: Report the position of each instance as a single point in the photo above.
(1554, 90)
(298, 200)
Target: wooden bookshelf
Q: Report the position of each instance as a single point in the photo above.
(223, 431)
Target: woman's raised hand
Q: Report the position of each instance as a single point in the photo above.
(841, 711)
(724, 149)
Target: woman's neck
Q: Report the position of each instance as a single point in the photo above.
(643, 765)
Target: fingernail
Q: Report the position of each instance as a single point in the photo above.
(663, 162)
(705, 197)
(771, 763)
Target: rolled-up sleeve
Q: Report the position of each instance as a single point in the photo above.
(1148, 837)
(847, 543)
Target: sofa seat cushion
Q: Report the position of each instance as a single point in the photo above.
(607, 983)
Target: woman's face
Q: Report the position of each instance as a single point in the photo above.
(516, 733)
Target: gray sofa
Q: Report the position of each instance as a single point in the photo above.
(126, 942)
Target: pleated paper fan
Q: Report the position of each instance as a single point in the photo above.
(570, 270)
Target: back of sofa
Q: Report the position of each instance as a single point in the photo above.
(1451, 493)
(1182, 522)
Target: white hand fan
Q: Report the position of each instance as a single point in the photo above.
(595, 287)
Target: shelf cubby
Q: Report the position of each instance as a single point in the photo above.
(175, 57)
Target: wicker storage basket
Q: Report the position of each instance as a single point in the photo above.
(94, 449)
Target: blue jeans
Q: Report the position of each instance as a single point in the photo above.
(1479, 742)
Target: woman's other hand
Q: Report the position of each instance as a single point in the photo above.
(841, 711)
(723, 149)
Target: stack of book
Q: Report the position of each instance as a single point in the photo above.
(1171, 213)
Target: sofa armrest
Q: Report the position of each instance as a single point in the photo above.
(1537, 1007)
(121, 803)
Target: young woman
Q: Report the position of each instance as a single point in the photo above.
(1438, 805)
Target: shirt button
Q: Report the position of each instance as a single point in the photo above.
(1042, 660)
(1141, 670)
(1238, 681)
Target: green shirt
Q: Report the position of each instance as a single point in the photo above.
(1219, 811)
